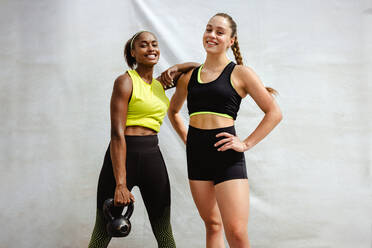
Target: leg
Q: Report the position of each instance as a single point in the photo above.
(106, 189)
(233, 201)
(203, 193)
(155, 191)
(99, 238)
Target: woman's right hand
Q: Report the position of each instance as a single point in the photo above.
(167, 77)
(122, 196)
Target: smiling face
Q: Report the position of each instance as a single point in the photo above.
(217, 36)
(145, 49)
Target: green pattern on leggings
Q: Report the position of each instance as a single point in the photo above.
(162, 230)
(99, 238)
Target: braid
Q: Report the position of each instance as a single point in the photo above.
(272, 91)
(236, 51)
(235, 47)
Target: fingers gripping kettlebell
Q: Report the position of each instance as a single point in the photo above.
(117, 226)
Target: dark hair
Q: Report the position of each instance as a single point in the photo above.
(131, 61)
(235, 47)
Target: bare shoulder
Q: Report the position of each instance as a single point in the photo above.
(184, 79)
(245, 79)
(243, 72)
(123, 81)
(186, 76)
(122, 86)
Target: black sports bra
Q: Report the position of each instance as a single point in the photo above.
(217, 97)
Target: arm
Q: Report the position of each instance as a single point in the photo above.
(176, 103)
(185, 67)
(118, 111)
(247, 82)
(170, 77)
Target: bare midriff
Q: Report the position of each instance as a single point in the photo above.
(210, 121)
(139, 131)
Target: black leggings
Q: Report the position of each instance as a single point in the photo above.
(146, 169)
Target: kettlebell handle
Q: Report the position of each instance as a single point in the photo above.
(109, 204)
(129, 212)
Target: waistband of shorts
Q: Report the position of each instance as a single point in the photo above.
(195, 130)
(141, 143)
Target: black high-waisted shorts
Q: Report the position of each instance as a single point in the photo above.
(205, 163)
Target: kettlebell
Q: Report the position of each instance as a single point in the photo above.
(117, 226)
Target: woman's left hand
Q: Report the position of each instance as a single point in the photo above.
(230, 142)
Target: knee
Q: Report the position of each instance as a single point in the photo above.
(213, 226)
(237, 232)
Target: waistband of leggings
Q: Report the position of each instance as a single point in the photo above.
(195, 130)
(141, 143)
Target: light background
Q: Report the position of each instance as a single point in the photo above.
(310, 179)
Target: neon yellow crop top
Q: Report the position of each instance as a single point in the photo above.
(148, 104)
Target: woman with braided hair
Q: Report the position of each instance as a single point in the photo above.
(215, 155)
(138, 106)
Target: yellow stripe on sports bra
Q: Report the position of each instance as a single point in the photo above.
(199, 79)
(213, 113)
(201, 82)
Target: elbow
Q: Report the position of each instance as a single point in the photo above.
(116, 134)
(172, 113)
(278, 116)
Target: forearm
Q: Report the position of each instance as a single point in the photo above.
(185, 67)
(267, 124)
(178, 125)
(118, 158)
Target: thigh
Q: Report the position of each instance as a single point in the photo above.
(203, 193)
(233, 201)
(107, 182)
(199, 152)
(236, 170)
(154, 183)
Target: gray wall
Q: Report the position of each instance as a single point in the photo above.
(310, 179)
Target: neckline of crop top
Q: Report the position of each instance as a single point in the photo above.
(199, 71)
(139, 76)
